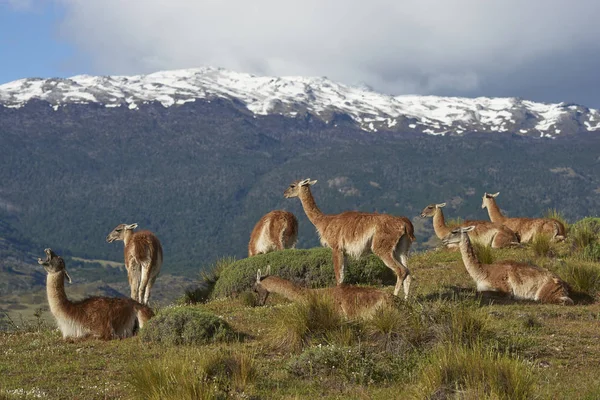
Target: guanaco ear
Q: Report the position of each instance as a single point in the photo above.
(467, 228)
(268, 272)
(312, 182)
(68, 276)
(495, 194)
(258, 276)
(440, 205)
(131, 226)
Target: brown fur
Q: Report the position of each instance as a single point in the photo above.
(143, 259)
(352, 301)
(97, 317)
(526, 228)
(518, 280)
(487, 233)
(356, 233)
(276, 230)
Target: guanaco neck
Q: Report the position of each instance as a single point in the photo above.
(284, 288)
(310, 207)
(55, 288)
(494, 211)
(472, 264)
(439, 224)
(127, 236)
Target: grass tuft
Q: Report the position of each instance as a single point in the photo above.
(581, 276)
(312, 321)
(171, 378)
(553, 213)
(541, 245)
(463, 324)
(484, 253)
(394, 326)
(474, 373)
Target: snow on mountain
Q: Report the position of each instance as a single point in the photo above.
(294, 96)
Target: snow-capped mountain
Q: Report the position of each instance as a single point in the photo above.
(295, 96)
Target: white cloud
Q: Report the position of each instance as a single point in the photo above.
(410, 46)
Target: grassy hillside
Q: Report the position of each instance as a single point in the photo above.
(445, 342)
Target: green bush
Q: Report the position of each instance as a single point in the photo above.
(185, 326)
(474, 373)
(311, 268)
(355, 365)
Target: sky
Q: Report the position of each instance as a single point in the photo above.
(542, 50)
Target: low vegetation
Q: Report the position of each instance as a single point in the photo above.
(186, 326)
(445, 342)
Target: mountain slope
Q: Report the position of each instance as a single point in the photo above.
(201, 174)
(320, 97)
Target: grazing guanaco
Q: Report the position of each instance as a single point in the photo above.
(525, 228)
(276, 230)
(356, 233)
(98, 317)
(143, 259)
(517, 280)
(487, 233)
(352, 301)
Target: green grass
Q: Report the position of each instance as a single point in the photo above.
(475, 373)
(484, 253)
(442, 343)
(541, 245)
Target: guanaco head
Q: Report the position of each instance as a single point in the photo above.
(296, 186)
(488, 198)
(53, 263)
(258, 287)
(431, 209)
(119, 232)
(456, 235)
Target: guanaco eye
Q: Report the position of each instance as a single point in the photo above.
(118, 230)
(292, 186)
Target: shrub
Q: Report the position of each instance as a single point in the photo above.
(311, 268)
(541, 245)
(300, 324)
(474, 372)
(483, 252)
(186, 325)
(355, 365)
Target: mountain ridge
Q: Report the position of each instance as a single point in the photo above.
(297, 97)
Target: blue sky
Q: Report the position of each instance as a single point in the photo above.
(31, 45)
(541, 50)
